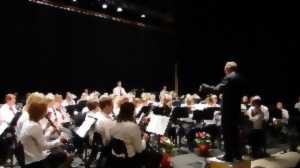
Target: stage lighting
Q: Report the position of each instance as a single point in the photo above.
(119, 9)
(104, 6)
(143, 16)
(74, 1)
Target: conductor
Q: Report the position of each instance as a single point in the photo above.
(232, 87)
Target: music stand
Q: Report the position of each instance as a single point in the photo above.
(180, 112)
(276, 113)
(162, 111)
(144, 110)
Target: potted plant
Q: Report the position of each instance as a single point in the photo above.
(168, 150)
(203, 143)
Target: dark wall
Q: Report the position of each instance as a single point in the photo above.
(52, 50)
(261, 36)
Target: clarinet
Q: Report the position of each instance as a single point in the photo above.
(53, 125)
(68, 145)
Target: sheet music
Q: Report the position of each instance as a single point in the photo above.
(85, 126)
(139, 119)
(158, 124)
(3, 127)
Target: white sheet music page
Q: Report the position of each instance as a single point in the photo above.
(158, 124)
(3, 127)
(85, 126)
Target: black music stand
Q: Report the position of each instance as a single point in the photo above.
(145, 110)
(179, 112)
(162, 111)
(206, 114)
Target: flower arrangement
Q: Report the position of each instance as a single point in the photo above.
(203, 142)
(167, 145)
(168, 149)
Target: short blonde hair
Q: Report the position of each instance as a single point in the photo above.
(50, 97)
(37, 108)
(231, 65)
(105, 101)
(33, 97)
(58, 98)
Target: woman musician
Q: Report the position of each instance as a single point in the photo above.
(130, 133)
(36, 147)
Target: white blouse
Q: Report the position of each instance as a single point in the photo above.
(35, 145)
(130, 134)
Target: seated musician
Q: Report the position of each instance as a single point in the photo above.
(8, 110)
(264, 109)
(59, 115)
(69, 100)
(139, 104)
(166, 105)
(163, 91)
(105, 122)
(49, 131)
(189, 102)
(256, 116)
(128, 131)
(36, 147)
(103, 125)
(245, 103)
(279, 121)
(118, 101)
(212, 101)
(297, 106)
(36, 96)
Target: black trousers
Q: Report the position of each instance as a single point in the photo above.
(54, 160)
(231, 141)
(257, 141)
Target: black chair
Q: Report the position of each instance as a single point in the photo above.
(20, 155)
(118, 148)
(8, 141)
(96, 147)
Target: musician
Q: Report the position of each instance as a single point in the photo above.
(36, 96)
(118, 101)
(163, 91)
(279, 121)
(8, 110)
(49, 131)
(189, 101)
(256, 116)
(283, 117)
(119, 90)
(232, 88)
(69, 100)
(166, 105)
(297, 105)
(128, 131)
(36, 147)
(139, 104)
(212, 101)
(246, 102)
(105, 122)
(59, 115)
